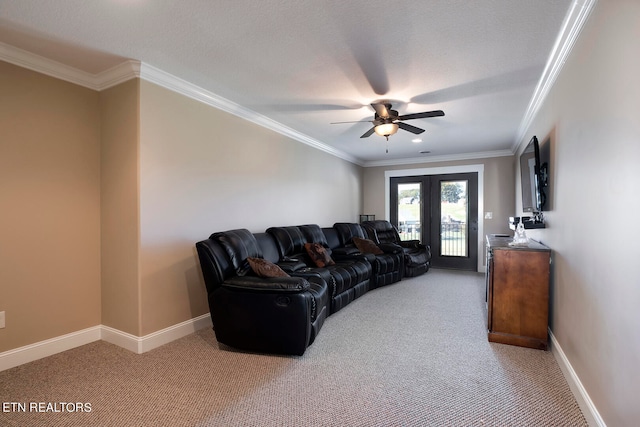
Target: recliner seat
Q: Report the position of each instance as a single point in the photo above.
(347, 279)
(388, 267)
(271, 315)
(417, 257)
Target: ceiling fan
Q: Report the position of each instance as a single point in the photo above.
(387, 121)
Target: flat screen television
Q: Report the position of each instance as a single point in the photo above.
(533, 197)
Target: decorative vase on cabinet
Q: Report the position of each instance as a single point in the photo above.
(517, 292)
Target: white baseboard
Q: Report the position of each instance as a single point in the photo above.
(29, 353)
(121, 339)
(589, 410)
(172, 333)
(156, 339)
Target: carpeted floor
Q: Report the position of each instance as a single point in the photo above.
(410, 354)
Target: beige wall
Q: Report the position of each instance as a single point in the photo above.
(497, 197)
(203, 170)
(50, 207)
(105, 194)
(591, 120)
(120, 223)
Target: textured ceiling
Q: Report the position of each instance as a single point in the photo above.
(305, 64)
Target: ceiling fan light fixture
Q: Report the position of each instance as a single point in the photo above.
(386, 129)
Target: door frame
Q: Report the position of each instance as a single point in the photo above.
(442, 170)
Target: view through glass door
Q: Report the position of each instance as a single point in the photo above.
(410, 211)
(440, 211)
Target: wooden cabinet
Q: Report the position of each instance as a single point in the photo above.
(517, 292)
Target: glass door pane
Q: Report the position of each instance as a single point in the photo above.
(410, 210)
(454, 209)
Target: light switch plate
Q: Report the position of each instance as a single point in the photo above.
(1, 319)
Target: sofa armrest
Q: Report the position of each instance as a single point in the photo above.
(345, 251)
(412, 244)
(276, 284)
(291, 265)
(390, 248)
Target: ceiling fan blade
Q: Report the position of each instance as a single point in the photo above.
(381, 109)
(368, 133)
(410, 128)
(357, 121)
(426, 114)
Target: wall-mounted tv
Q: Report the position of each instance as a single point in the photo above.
(533, 196)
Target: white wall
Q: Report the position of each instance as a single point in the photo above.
(591, 119)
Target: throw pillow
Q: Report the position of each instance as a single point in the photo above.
(367, 246)
(318, 254)
(264, 268)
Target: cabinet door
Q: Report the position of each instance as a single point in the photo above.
(520, 293)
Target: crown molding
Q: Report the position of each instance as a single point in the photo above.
(104, 80)
(435, 159)
(119, 74)
(135, 69)
(571, 28)
(40, 64)
(183, 87)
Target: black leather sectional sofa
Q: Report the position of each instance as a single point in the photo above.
(271, 292)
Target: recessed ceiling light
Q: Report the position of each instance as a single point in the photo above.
(416, 140)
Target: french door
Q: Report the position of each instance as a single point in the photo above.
(441, 211)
